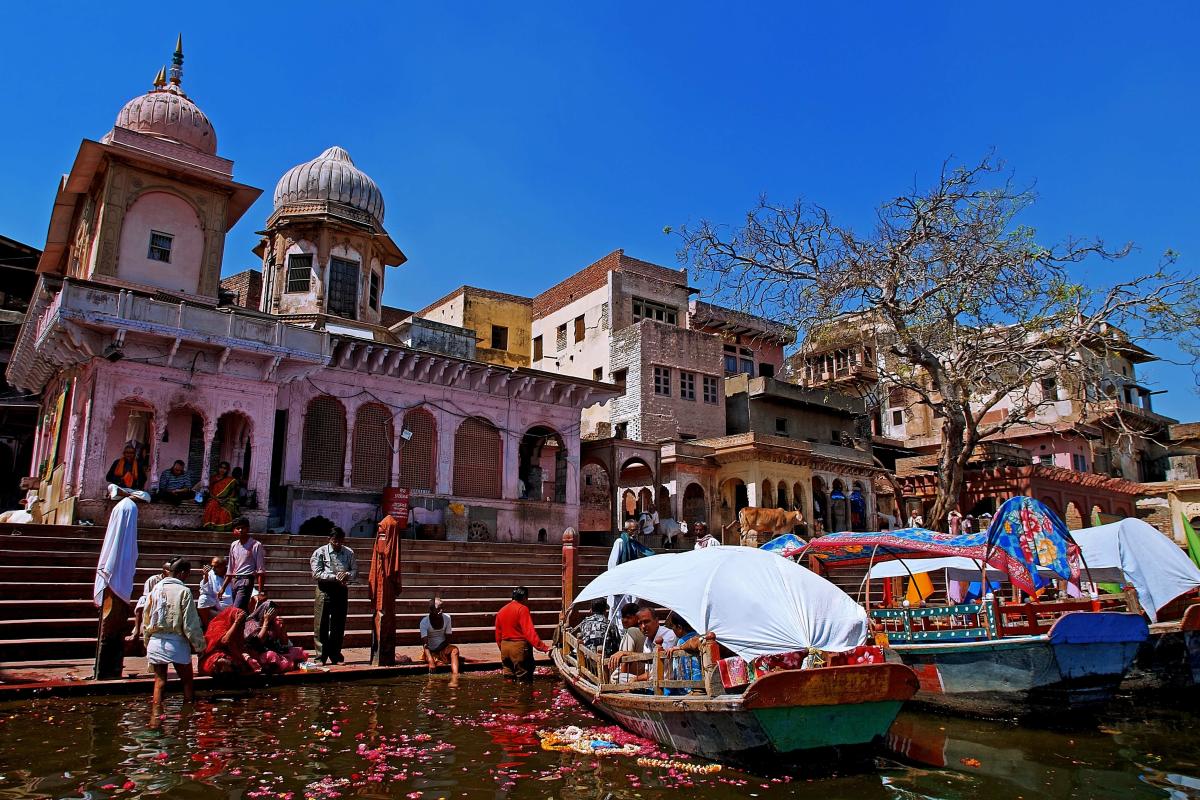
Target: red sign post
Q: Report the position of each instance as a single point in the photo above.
(395, 503)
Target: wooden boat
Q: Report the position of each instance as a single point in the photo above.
(975, 659)
(991, 657)
(790, 715)
(1170, 657)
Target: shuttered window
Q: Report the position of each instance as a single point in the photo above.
(477, 459)
(299, 273)
(372, 461)
(417, 464)
(323, 455)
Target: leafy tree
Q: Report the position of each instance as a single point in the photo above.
(964, 309)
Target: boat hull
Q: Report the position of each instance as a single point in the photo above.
(796, 715)
(1078, 665)
(1170, 657)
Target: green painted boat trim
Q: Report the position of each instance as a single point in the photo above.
(797, 728)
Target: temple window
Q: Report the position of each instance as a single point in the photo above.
(417, 464)
(371, 467)
(160, 246)
(477, 456)
(299, 274)
(343, 287)
(373, 295)
(323, 454)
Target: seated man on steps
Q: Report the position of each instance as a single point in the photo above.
(435, 636)
(174, 485)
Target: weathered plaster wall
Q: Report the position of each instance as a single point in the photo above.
(162, 212)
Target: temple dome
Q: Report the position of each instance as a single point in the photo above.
(331, 177)
(168, 113)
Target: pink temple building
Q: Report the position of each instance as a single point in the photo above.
(319, 402)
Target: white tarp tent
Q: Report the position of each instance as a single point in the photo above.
(754, 601)
(1132, 550)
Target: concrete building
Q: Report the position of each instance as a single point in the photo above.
(502, 323)
(673, 443)
(324, 399)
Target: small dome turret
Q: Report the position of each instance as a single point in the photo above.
(331, 177)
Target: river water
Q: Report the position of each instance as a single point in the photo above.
(424, 738)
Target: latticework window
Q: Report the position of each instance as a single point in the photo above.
(323, 456)
(343, 288)
(371, 466)
(417, 455)
(477, 459)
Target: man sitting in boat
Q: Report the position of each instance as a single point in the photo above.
(632, 641)
(684, 667)
(596, 632)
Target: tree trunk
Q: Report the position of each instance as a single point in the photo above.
(952, 459)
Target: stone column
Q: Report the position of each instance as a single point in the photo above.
(210, 432)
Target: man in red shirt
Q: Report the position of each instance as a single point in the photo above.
(516, 636)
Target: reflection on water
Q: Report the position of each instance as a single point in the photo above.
(423, 738)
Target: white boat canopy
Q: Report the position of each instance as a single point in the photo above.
(1133, 550)
(754, 601)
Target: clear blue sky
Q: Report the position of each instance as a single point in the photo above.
(515, 143)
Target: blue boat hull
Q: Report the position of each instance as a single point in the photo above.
(1079, 664)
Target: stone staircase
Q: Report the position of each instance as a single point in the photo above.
(46, 576)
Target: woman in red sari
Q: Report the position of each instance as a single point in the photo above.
(225, 645)
(222, 507)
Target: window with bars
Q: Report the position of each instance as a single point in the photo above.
(323, 453)
(299, 272)
(648, 309)
(710, 389)
(371, 461)
(417, 465)
(687, 385)
(662, 381)
(373, 294)
(477, 467)
(343, 288)
(160, 246)
(560, 338)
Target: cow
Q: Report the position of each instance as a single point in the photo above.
(768, 522)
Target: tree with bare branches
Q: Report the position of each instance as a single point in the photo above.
(960, 305)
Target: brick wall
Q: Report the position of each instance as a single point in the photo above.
(651, 417)
(246, 288)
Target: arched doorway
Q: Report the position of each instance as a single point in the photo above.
(231, 442)
(840, 506)
(183, 440)
(595, 498)
(821, 510)
(767, 498)
(858, 507)
(782, 500)
(542, 470)
(694, 508)
(636, 476)
(663, 504)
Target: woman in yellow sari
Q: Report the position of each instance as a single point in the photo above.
(222, 506)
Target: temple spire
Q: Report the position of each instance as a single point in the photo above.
(177, 62)
(160, 80)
